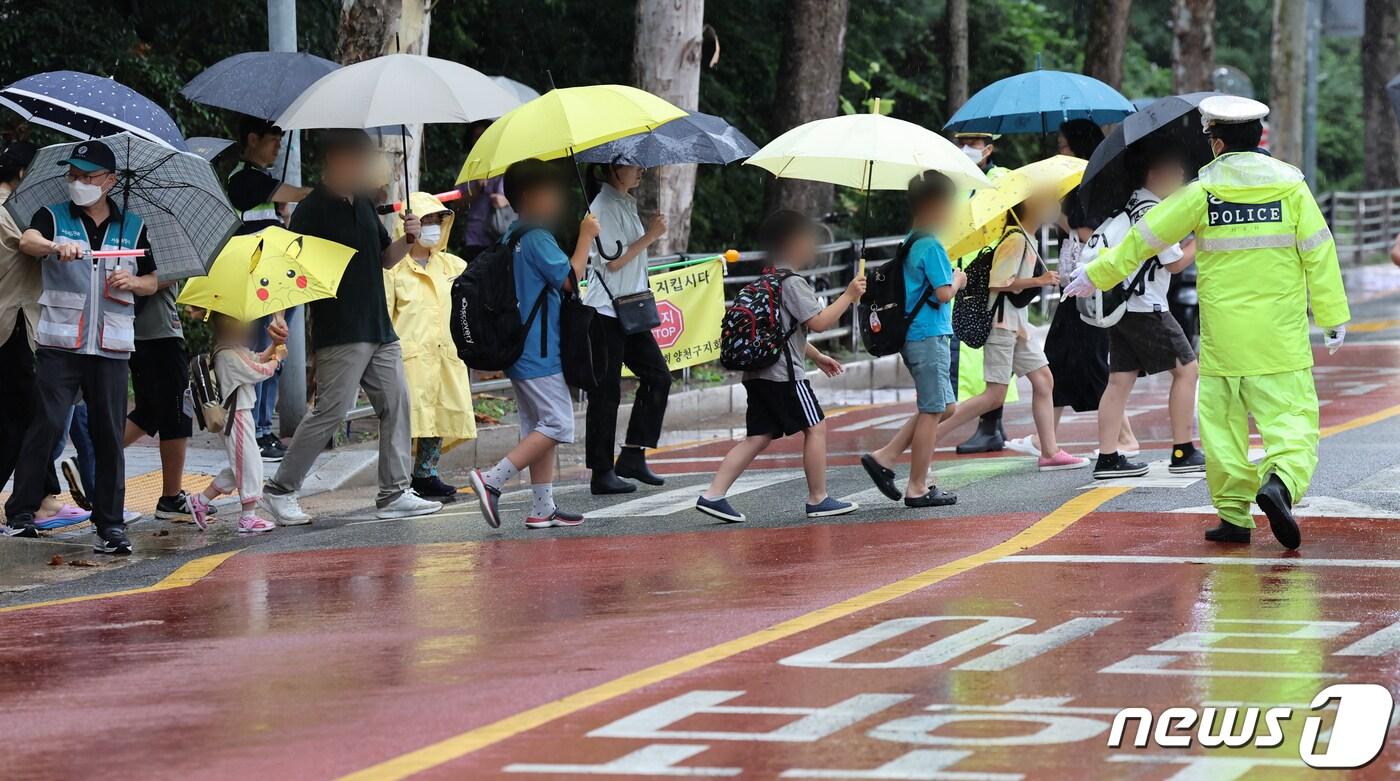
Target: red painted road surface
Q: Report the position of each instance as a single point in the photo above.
(319, 664)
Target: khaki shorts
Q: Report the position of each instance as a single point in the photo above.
(1005, 354)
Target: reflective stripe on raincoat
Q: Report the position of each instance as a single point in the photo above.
(420, 298)
(1263, 253)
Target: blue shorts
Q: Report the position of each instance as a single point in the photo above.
(928, 361)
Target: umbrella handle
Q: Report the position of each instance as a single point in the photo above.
(121, 253)
(617, 251)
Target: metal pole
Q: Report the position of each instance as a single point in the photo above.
(291, 397)
(1313, 14)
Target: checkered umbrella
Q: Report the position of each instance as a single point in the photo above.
(188, 218)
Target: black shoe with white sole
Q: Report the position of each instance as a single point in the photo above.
(1276, 502)
(1185, 463)
(1114, 465)
(174, 508)
(69, 467)
(20, 526)
(112, 541)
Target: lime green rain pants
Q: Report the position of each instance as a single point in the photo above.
(1284, 408)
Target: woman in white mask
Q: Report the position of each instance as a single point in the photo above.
(419, 295)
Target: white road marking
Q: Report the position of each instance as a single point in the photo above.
(677, 499)
(1313, 507)
(1245, 561)
(877, 422)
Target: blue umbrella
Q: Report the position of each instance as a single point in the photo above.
(1039, 102)
(695, 138)
(86, 106)
(259, 84)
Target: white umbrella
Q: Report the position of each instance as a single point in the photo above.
(524, 92)
(397, 89)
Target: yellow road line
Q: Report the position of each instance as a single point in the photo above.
(187, 574)
(1364, 420)
(1371, 326)
(473, 740)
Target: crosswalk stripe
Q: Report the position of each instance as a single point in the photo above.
(677, 499)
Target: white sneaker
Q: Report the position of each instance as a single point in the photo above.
(284, 509)
(131, 516)
(408, 505)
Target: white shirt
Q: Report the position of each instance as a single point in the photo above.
(1159, 280)
(618, 222)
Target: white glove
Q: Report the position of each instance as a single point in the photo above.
(1079, 285)
(1333, 339)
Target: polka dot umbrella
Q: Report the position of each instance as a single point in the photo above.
(86, 106)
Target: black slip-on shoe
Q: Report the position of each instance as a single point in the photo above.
(934, 498)
(1187, 463)
(606, 481)
(1112, 465)
(881, 476)
(1227, 532)
(1277, 504)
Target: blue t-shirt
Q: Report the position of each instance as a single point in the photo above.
(539, 265)
(927, 266)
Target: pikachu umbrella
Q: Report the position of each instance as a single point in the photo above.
(979, 221)
(268, 271)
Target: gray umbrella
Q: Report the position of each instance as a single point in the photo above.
(188, 218)
(208, 147)
(259, 84)
(695, 138)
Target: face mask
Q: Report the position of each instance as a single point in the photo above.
(973, 153)
(430, 235)
(84, 194)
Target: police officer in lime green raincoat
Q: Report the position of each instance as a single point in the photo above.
(1264, 252)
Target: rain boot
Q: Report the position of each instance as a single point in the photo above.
(1273, 498)
(632, 464)
(990, 436)
(606, 481)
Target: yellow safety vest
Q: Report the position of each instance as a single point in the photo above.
(1263, 253)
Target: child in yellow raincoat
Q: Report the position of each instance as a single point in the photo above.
(419, 293)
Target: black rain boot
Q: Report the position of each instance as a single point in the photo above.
(606, 481)
(1273, 498)
(1227, 532)
(990, 436)
(632, 464)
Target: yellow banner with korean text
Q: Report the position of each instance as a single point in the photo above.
(690, 301)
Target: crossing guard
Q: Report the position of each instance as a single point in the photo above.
(1264, 252)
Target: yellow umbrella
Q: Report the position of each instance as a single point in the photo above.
(268, 271)
(562, 122)
(980, 220)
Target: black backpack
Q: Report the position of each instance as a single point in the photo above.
(485, 318)
(972, 315)
(883, 317)
(752, 336)
(211, 408)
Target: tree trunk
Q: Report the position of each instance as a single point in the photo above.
(809, 81)
(956, 19)
(1108, 35)
(1289, 62)
(1193, 45)
(666, 63)
(1380, 61)
(367, 28)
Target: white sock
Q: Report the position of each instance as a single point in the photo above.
(500, 474)
(544, 500)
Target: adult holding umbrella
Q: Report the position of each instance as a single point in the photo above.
(86, 331)
(84, 106)
(618, 289)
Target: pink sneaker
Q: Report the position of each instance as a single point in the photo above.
(199, 510)
(1061, 461)
(252, 524)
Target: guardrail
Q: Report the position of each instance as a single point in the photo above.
(1361, 222)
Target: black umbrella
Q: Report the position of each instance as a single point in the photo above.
(696, 138)
(188, 218)
(259, 84)
(1109, 179)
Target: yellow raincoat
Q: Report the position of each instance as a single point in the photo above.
(420, 299)
(1263, 254)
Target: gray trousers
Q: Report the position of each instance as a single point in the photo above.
(341, 370)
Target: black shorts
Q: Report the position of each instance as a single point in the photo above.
(1148, 343)
(160, 374)
(779, 409)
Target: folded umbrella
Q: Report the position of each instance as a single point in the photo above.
(980, 220)
(188, 218)
(267, 272)
(866, 151)
(1039, 102)
(259, 84)
(561, 123)
(697, 138)
(86, 106)
(1109, 179)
